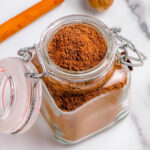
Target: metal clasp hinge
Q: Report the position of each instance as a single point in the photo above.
(27, 56)
(124, 47)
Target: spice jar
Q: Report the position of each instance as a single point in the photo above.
(75, 104)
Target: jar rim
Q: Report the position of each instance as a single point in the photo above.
(98, 70)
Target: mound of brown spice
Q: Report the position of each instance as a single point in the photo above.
(77, 47)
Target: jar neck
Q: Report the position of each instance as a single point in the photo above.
(99, 70)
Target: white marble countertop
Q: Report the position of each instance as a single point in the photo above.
(133, 133)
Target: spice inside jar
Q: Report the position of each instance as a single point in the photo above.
(86, 83)
(77, 47)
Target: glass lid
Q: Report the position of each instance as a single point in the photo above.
(20, 96)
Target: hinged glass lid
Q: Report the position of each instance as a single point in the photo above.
(20, 96)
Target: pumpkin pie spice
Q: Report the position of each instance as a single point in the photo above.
(77, 47)
(80, 47)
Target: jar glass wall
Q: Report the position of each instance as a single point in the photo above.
(106, 87)
(92, 117)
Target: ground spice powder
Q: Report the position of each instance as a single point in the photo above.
(69, 101)
(77, 47)
(97, 103)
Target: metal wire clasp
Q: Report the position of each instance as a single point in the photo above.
(27, 56)
(25, 53)
(124, 47)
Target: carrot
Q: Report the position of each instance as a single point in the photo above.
(23, 19)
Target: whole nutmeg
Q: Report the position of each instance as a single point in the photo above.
(101, 4)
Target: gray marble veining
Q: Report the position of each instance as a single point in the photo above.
(140, 131)
(138, 8)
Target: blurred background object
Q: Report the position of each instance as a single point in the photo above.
(101, 5)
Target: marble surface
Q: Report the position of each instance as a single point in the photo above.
(131, 133)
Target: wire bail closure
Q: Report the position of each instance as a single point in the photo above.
(123, 48)
(27, 56)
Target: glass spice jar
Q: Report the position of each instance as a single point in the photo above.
(35, 78)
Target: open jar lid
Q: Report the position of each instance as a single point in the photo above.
(20, 96)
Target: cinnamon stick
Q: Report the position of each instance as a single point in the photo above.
(23, 19)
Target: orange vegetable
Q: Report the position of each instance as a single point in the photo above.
(26, 17)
